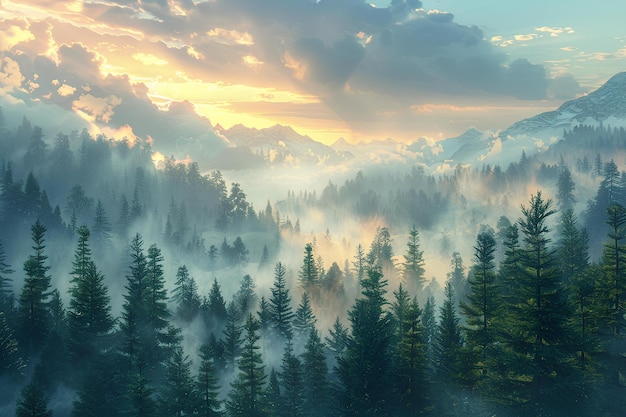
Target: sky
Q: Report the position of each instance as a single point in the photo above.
(330, 69)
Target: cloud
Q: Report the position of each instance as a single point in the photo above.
(149, 59)
(66, 90)
(378, 61)
(97, 108)
(564, 87)
(11, 77)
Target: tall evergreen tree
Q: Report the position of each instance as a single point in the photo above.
(449, 340)
(178, 396)
(207, 385)
(364, 368)
(309, 275)
(185, 294)
(246, 396)
(315, 377)
(280, 303)
(613, 285)
(292, 384)
(33, 403)
(216, 305)
(572, 247)
(304, 320)
(410, 371)
(483, 303)
(33, 310)
(232, 334)
(5, 282)
(542, 378)
(337, 338)
(89, 314)
(413, 266)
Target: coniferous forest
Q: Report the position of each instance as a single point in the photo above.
(130, 287)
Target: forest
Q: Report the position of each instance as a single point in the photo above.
(138, 287)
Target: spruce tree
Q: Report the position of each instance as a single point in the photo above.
(542, 378)
(178, 396)
(613, 285)
(34, 313)
(572, 247)
(292, 384)
(448, 340)
(5, 282)
(365, 367)
(482, 304)
(337, 338)
(215, 305)
(185, 294)
(89, 314)
(246, 395)
(315, 377)
(413, 266)
(33, 403)
(304, 320)
(309, 275)
(232, 334)
(410, 371)
(280, 303)
(207, 385)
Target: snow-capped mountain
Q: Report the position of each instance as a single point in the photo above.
(282, 145)
(605, 105)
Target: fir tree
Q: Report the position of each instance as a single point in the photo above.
(482, 304)
(185, 294)
(246, 396)
(292, 384)
(413, 266)
(33, 311)
(5, 281)
(32, 403)
(232, 334)
(280, 303)
(365, 367)
(178, 395)
(315, 377)
(215, 305)
(89, 314)
(410, 372)
(337, 338)
(309, 275)
(304, 319)
(207, 385)
(449, 340)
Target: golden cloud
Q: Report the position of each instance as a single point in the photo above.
(149, 59)
(231, 37)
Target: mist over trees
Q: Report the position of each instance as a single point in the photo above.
(132, 286)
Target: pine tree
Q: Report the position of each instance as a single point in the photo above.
(101, 226)
(232, 334)
(482, 304)
(359, 266)
(292, 384)
(304, 320)
(413, 266)
(5, 282)
(364, 368)
(280, 303)
(264, 313)
(34, 313)
(572, 247)
(32, 403)
(89, 313)
(565, 186)
(613, 285)
(178, 396)
(309, 275)
(216, 305)
(245, 298)
(410, 371)
(541, 378)
(207, 385)
(449, 340)
(429, 322)
(246, 396)
(315, 377)
(273, 396)
(337, 338)
(185, 294)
